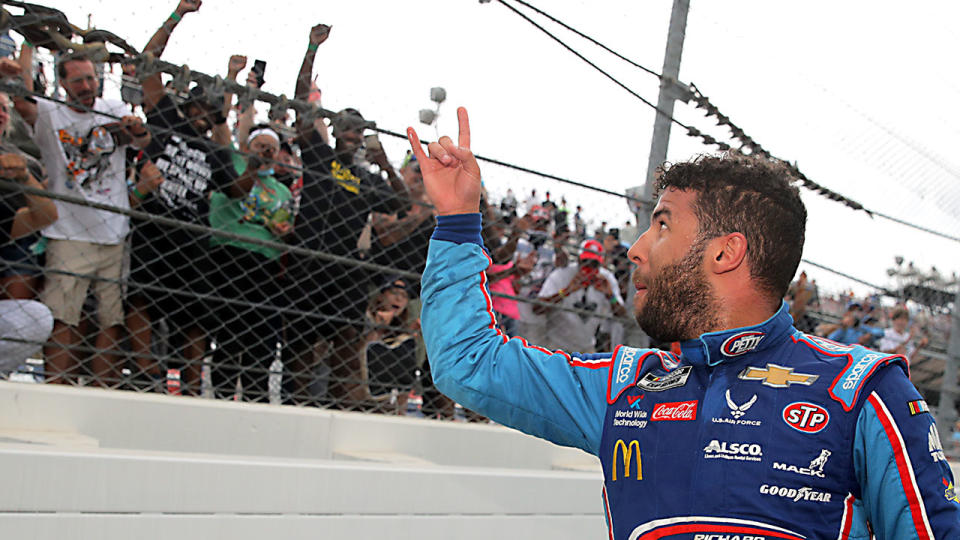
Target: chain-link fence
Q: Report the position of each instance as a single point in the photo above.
(167, 230)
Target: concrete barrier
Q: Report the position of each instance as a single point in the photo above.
(89, 463)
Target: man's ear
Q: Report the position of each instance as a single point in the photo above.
(727, 253)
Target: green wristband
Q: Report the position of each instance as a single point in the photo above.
(27, 44)
(613, 300)
(312, 47)
(175, 16)
(137, 194)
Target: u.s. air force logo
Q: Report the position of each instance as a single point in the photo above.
(659, 383)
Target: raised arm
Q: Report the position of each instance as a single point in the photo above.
(153, 85)
(318, 34)
(26, 106)
(40, 211)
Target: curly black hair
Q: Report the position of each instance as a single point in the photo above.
(751, 195)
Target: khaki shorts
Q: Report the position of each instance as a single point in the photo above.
(64, 294)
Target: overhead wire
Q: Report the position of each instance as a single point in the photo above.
(703, 102)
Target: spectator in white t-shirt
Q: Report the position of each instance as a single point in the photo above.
(83, 145)
(585, 286)
(899, 338)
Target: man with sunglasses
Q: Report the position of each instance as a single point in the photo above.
(83, 144)
(585, 287)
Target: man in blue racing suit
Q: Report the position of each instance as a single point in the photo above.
(755, 430)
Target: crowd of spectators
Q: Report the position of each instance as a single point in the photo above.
(290, 243)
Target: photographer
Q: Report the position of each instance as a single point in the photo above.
(84, 149)
(585, 286)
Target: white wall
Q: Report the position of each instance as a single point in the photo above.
(88, 463)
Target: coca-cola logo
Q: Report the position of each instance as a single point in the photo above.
(677, 410)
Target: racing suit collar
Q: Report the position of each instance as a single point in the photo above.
(714, 348)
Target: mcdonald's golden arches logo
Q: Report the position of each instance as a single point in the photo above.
(628, 453)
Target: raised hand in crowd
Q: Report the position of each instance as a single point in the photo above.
(235, 65)
(139, 134)
(26, 108)
(40, 211)
(150, 179)
(188, 6)
(451, 174)
(319, 33)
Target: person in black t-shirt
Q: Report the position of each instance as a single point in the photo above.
(335, 204)
(400, 240)
(170, 267)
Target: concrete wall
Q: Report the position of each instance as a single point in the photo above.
(88, 463)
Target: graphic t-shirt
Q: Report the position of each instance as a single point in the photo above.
(192, 166)
(83, 159)
(336, 200)
(571, 331)
(268, 202)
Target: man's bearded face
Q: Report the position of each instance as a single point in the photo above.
(679, 303)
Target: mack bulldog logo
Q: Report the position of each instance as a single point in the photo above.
(679, 410)
(806, 417)
(741, 343)
(659, 383)
(814, 469)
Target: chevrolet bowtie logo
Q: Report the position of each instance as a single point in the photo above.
(777, 376)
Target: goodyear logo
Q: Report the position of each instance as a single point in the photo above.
(626, 451)
(741, 343)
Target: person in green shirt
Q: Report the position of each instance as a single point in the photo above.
(247, 271)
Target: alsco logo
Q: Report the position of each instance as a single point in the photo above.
(806, 417)
(677, 410)
(741, 343)
(627, 451)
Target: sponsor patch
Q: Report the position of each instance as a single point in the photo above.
(633, 401)
(659, 383)
(934, 446)
(796, 494)
(814, 469)
(726, 536)
(948, 492)
(677, 410)
(628, 451)
(625, 367)
(741, 343)
(733, 451)
(630, 418)
(827, 345)
(806, 417)
(855, 373)
(918, 406)
(777, 376)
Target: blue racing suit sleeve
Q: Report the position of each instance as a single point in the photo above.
(907, 486)
(548, 394)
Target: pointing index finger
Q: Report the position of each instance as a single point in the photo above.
(464, 128)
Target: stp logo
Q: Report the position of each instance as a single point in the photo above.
(677, 410)
(741, 343)
(806, 417)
